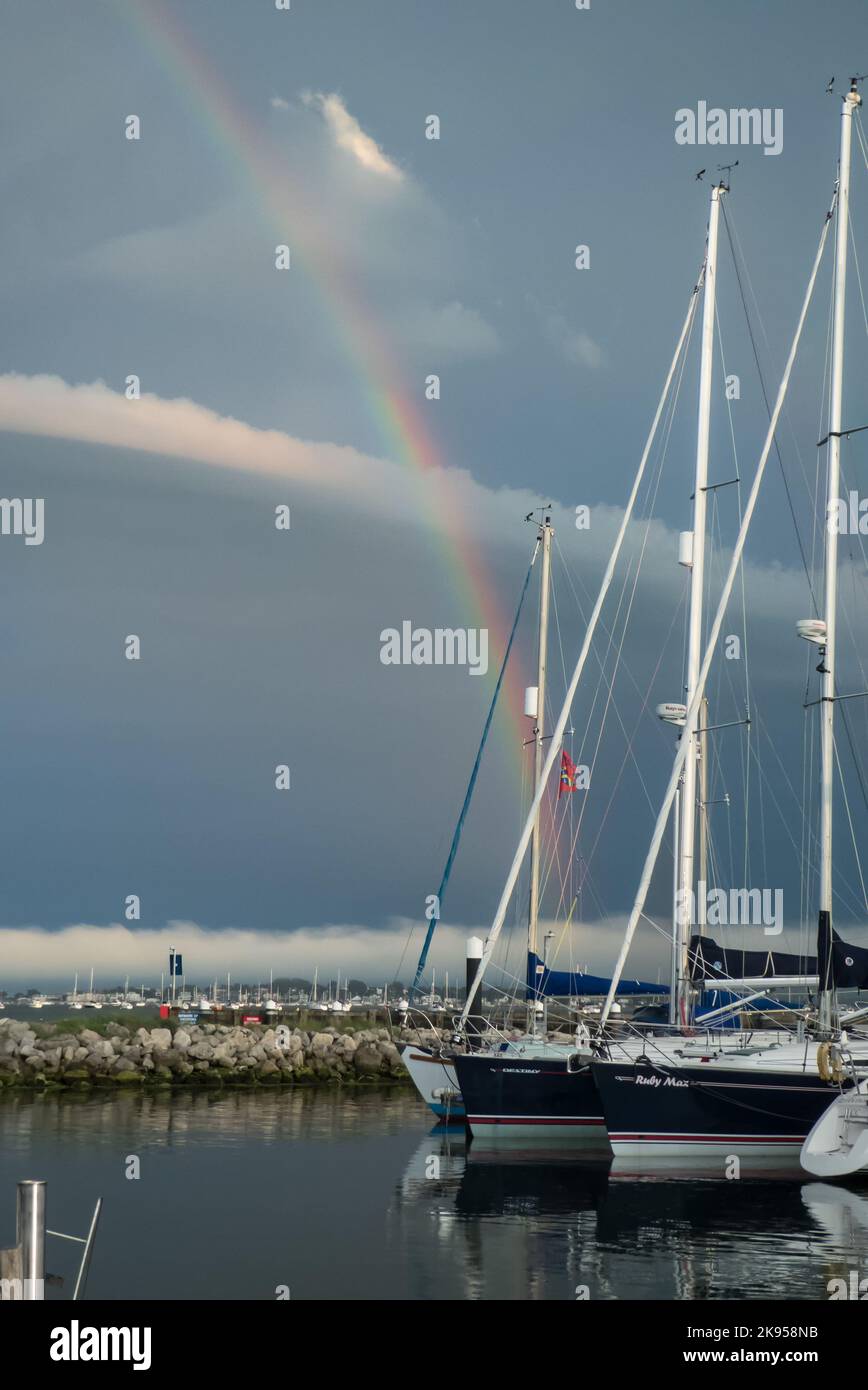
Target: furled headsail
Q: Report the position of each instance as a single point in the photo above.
(845, 965)
(708, 961)
(848, 965)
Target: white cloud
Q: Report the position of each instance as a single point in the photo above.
(348, 135)
(581, 350)
(48, 406)
(35, 956)
(577, 347)
(279, 103)
(447, 332)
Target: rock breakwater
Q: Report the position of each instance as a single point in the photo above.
(212, 1054)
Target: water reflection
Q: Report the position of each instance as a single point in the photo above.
(535, 1224)
(350, 1195)
(174, 1118)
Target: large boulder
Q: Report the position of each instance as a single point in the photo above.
(21, 1032)
(367, 1060)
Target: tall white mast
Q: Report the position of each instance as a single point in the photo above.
(686, 875)
(827, 704)
(546, 533)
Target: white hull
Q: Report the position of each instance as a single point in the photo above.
(838, 1144)
(436, 1082)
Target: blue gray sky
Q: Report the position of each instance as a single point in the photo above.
(155, 258)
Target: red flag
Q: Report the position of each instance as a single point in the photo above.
(569, 773)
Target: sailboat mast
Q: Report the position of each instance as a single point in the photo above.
(702, 812)
(686, 876)
(827, 999)
(546, 533)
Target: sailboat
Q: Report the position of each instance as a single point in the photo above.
(90, 1002)
(502, 1084)
(769, 1099)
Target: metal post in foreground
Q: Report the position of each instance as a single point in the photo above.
(31, 1238)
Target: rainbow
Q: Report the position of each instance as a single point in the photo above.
(246, 148)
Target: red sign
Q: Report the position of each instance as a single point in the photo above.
(250, 1018)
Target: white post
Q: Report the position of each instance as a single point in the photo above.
(827, 705)
(472, 974)
(30, 1224)
(686, 875)
(560, 726)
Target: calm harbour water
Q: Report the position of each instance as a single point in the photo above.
(354, 1196)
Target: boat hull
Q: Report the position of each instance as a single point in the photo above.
(509, 1098)
(837, 1146)
(436, 1082)
(658, 1111)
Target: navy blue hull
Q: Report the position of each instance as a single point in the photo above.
(651, 1108)
(521, 1097)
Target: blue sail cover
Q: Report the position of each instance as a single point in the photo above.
(564, 983)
